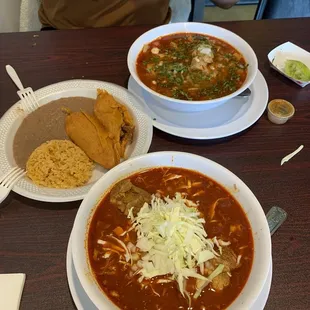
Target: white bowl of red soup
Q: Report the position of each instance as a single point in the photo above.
(171, 230)
(192, 66)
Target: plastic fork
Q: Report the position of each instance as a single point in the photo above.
(8, 180)
(29, 101)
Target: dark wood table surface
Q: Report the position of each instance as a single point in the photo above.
(34, 235)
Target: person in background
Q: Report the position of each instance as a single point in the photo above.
(76, 14)
(286, 9)
(224, 4)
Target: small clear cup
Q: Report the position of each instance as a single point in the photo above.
(280, 111)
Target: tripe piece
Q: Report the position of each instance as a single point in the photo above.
(126, 196)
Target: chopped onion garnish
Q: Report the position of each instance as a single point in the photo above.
(201, 267)
(128, 255)
(215, 241)
(205, 256)
(238, 259)
(215, 273)
(154, 291)
(127, 231)
(135, 256)
(134, 268)
(106, 255)
(173, 177)
(212, 209)
(131, 248)
(161, 281)
(198, 193)
(189, 299)
(224, 243)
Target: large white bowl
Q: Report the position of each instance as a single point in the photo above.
(215, 31)
(251, 206)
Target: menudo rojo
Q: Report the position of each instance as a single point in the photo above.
(200, 235)
(191, 66)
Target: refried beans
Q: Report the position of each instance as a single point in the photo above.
(44, 124)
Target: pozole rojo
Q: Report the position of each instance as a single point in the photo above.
(170, 238)
(191, 66)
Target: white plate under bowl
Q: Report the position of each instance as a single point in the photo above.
(82, 301)
(228, 119)
(12, 119)
(247, 200)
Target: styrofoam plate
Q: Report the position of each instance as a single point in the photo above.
(12, 119)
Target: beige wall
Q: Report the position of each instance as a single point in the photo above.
(9, 15)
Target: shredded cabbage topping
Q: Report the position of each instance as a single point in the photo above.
(172, 239)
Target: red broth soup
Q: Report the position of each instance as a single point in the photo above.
(193, 250)
(191, 66)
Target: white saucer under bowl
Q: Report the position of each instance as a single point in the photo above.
(228, 119)
(82, 301)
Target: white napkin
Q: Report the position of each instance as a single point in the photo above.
(11, 289)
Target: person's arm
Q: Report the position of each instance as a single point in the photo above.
(225, 4)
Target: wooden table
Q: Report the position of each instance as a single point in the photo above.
(34, 235)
